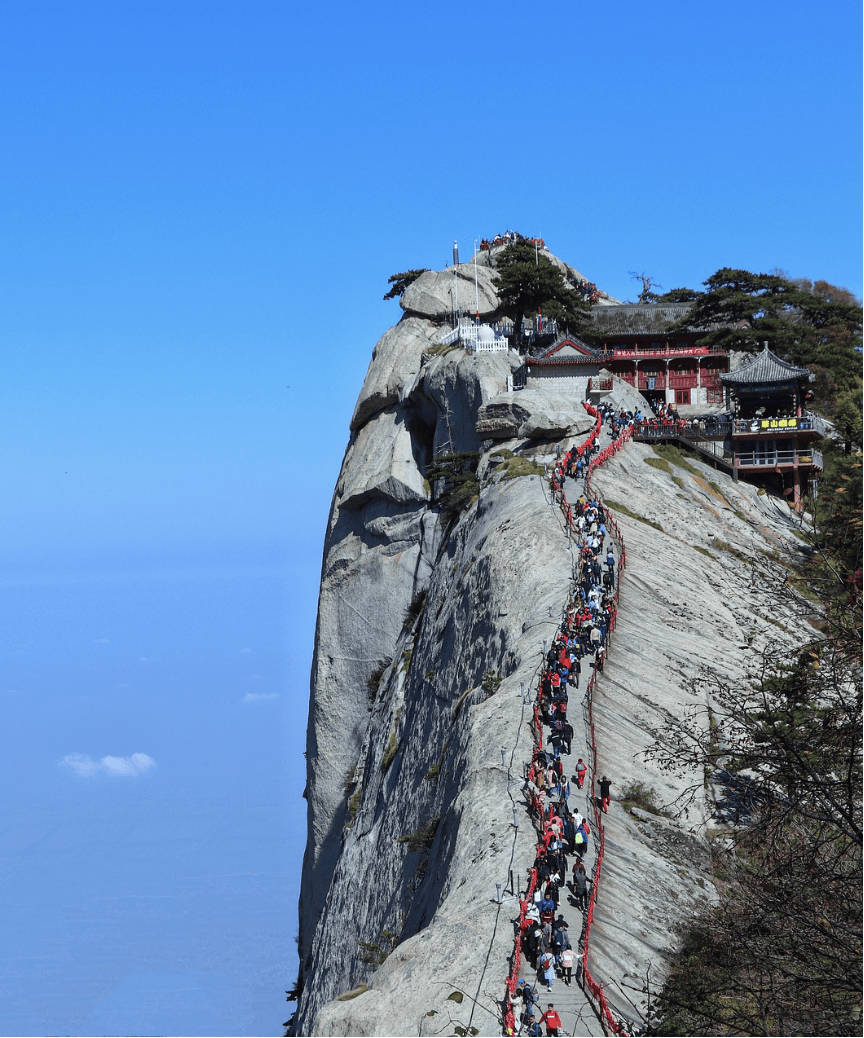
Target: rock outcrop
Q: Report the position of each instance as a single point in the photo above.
(531, 415)
(466, 286)
(427, 635)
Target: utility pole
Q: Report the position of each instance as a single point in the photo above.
(476, 293)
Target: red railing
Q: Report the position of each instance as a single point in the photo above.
(537, 800)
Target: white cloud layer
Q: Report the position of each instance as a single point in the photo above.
(259, 697)
(83, 765)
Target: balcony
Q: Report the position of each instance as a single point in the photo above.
(710, 380)
(778, 459)
(682, 380)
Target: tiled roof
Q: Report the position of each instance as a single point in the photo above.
(637, 318)
(567, 350)
(765, 367)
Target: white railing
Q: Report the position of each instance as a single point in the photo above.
(759, 458)
(479, 338)
(824, 428)
(490, 346)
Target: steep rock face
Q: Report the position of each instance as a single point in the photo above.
(686, 603)
(432, 751)
(410, 806)
(380, 549)
(395, 361)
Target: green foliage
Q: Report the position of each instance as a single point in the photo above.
(659, 463)
(433, 773)
(354, 805)
(458, 473)
(390, 752)
(353, 993)
(393, 743)
(678, 295)
(838, 527)
(704, 551)
(401, 281)
(373, 682)
(616, 506)
(516, 466)
(639, 795)
(415, 610)
(526, 283)
(407, 656)
(670, 452)
(721, 545)
(423, 839)
(491, 682)
(373, 953)
(847, 414)
(816, 325)
(503, 452)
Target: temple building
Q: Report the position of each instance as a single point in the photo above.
(634, 342)
(772, 431)
(664, 365)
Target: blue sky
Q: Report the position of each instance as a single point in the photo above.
(201, 205)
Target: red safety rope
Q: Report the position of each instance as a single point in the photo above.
(537, 800)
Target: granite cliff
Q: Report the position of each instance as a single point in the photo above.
(428, 631)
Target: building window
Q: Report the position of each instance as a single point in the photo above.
(715, 396)
(682, 396)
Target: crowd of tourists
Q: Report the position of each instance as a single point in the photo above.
(559, 874)
(509, 238)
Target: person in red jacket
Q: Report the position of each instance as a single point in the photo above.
(552, 1020)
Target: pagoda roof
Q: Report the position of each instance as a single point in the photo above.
(567, 350)
(765, 367)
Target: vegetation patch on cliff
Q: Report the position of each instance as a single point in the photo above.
(515, 467)
(373, 682)
(423, 839)
(458, 486)
(616, 506)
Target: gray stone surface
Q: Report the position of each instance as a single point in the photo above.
(395, 361)
(439, 291)
(429, 745)
(531, 414)
(622, 396)
(441, 899)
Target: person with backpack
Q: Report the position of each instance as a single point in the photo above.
(582, 845)
(580, 885)
(581, 772)
(547, 968)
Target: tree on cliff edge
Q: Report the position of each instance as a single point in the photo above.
(813, 324)
(527, 282)
(402, 280)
